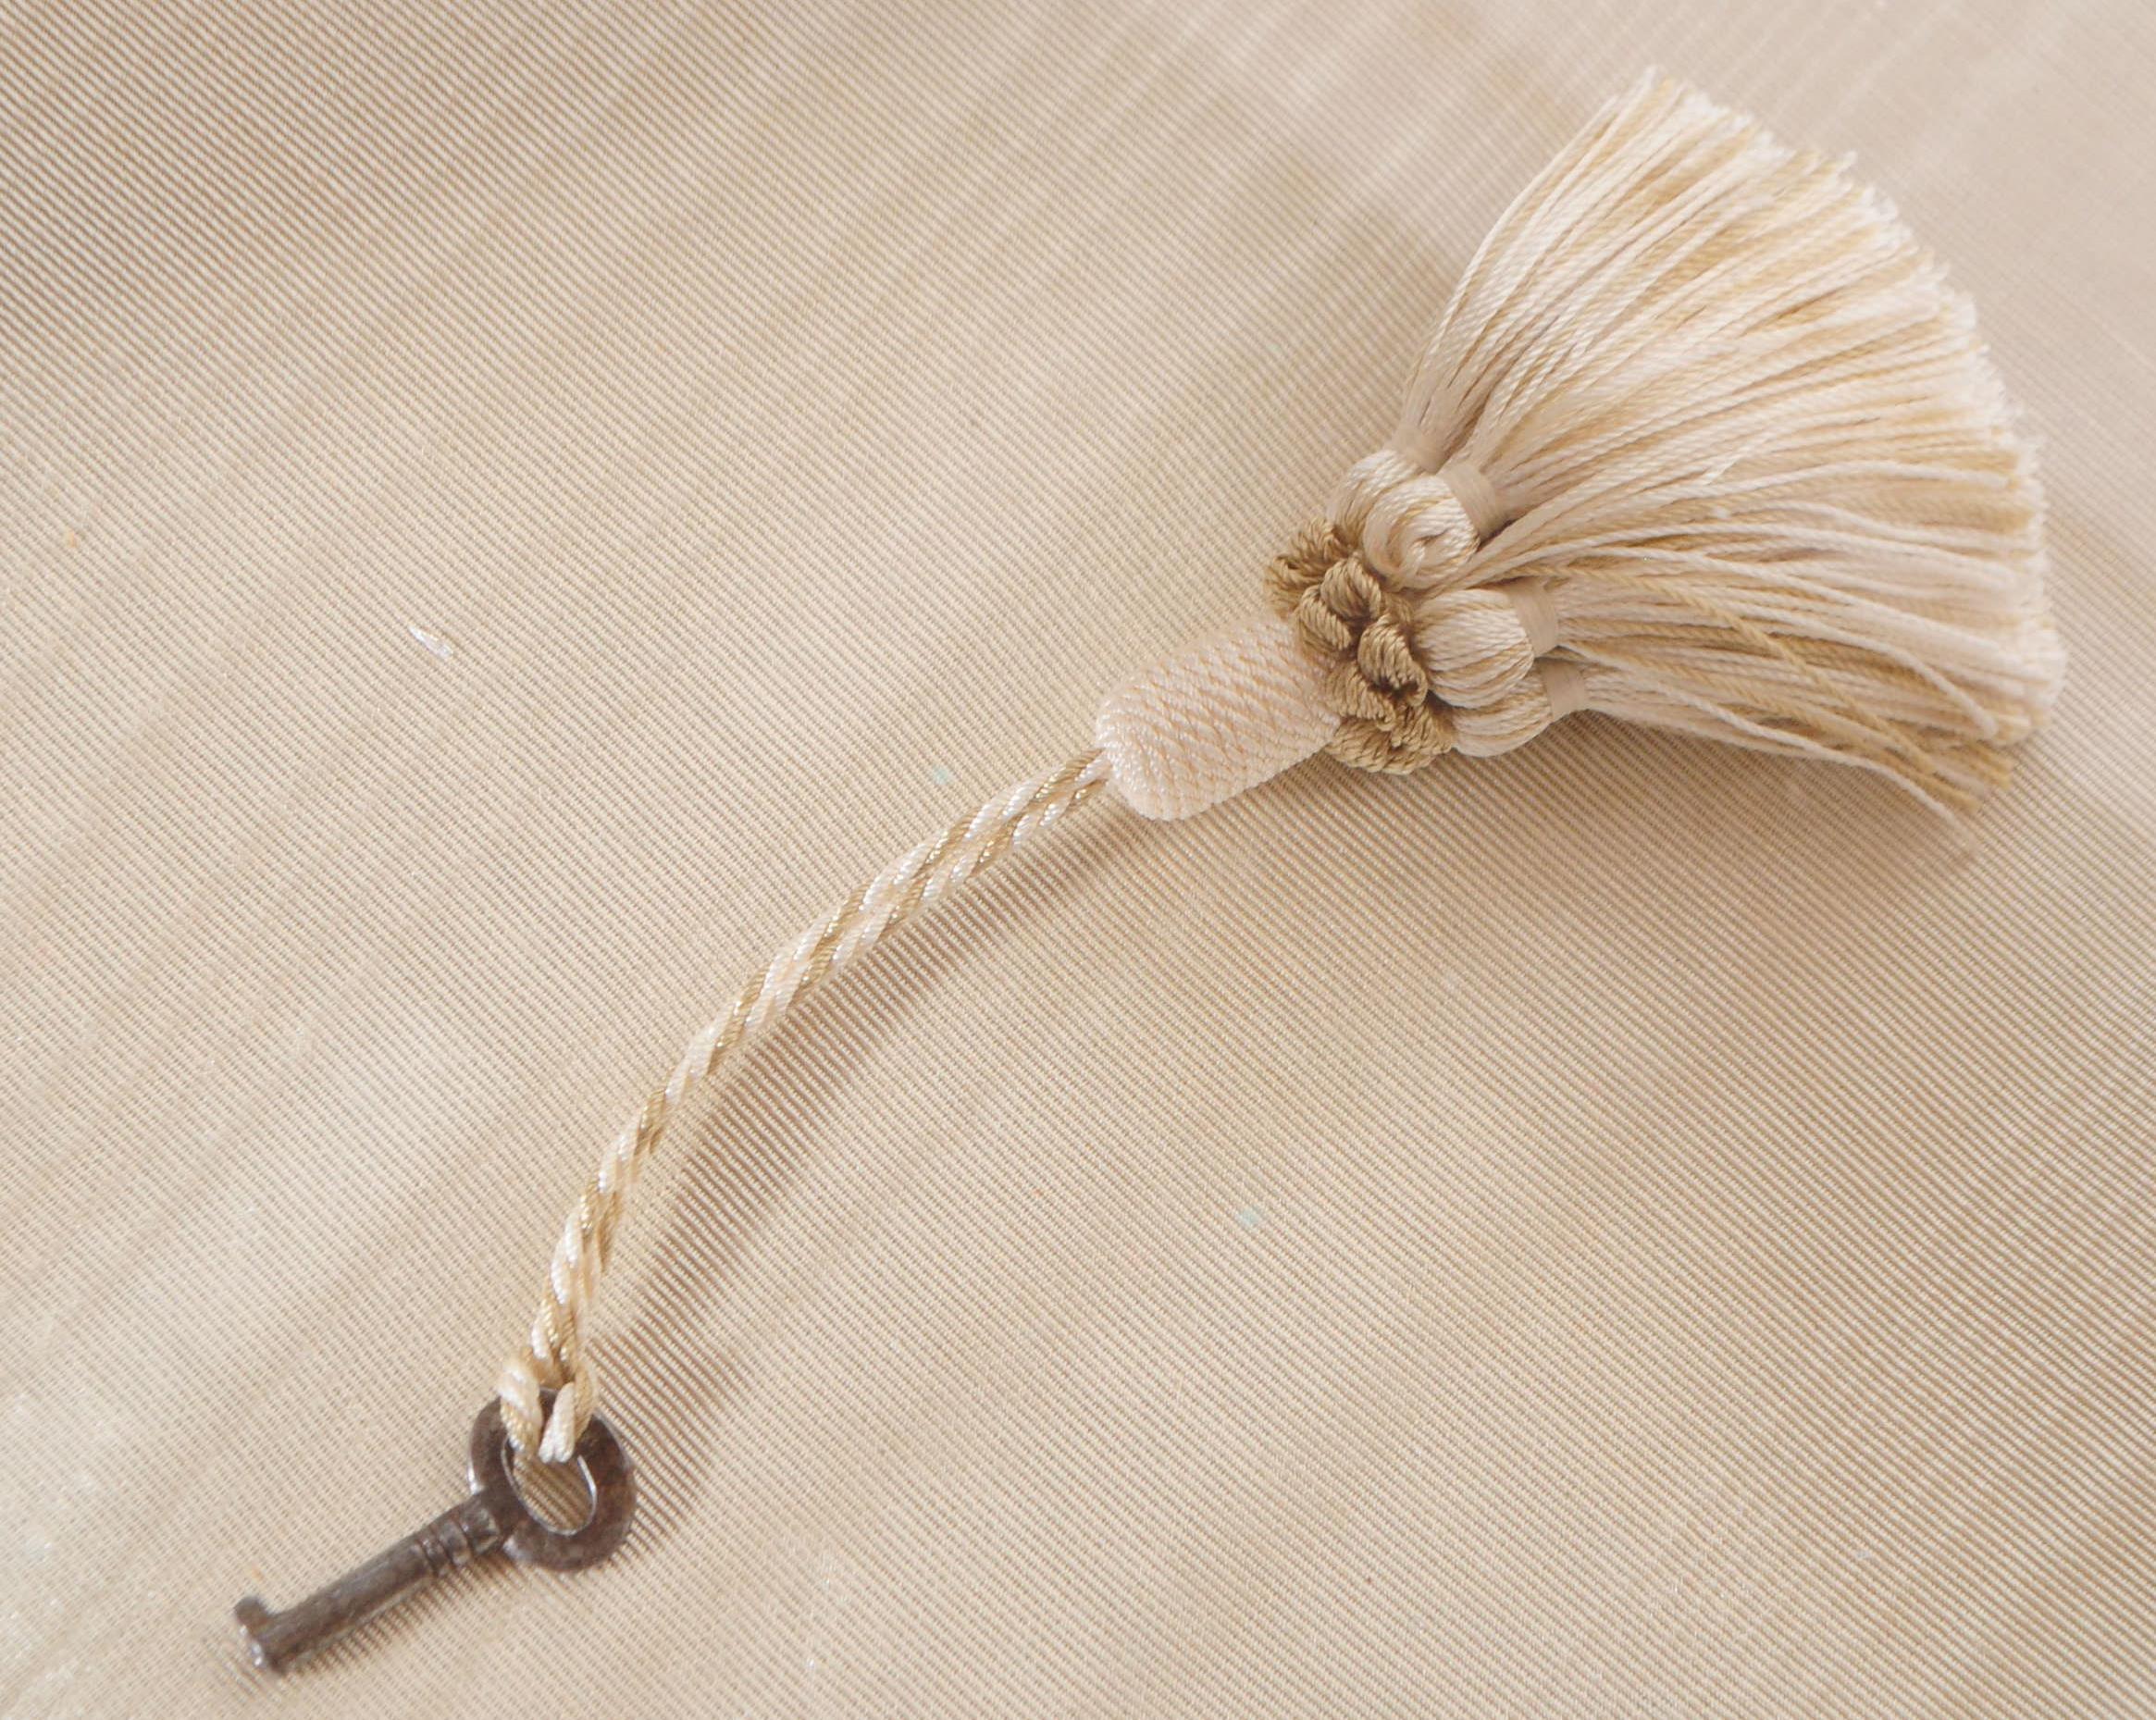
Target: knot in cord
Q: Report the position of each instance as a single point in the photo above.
(1347, 615)
(1420, 660)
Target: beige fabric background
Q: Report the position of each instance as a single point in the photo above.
(1625, 1228)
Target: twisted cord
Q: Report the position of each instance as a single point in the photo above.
(554, 1359)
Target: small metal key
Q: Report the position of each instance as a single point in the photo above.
(494, 1520)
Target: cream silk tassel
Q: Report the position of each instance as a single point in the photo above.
(1702, 441)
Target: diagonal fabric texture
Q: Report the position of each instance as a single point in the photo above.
(508, 512)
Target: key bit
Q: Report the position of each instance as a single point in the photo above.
(494, 1520)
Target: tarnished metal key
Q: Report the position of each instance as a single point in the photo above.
(494, 1520)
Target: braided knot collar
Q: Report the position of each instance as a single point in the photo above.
(1421, 658)
(1358, 625)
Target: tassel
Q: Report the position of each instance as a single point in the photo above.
(1702, 441)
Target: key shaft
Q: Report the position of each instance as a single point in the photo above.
(494, 1520)
(456, 1538)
